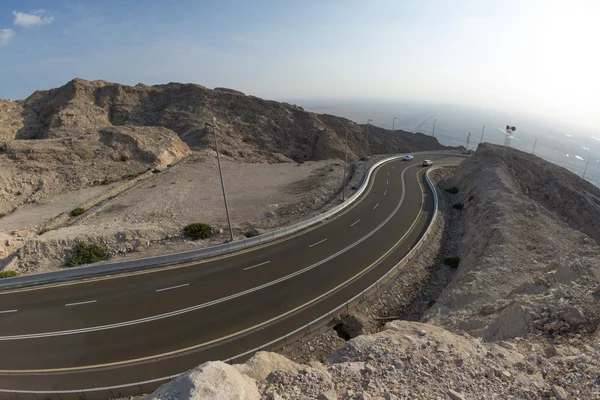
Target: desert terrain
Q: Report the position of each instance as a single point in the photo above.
(140, 163)
(519, 318)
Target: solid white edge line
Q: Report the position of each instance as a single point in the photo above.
(376, 205)
(80, 303)
(173, 287)
(257, 265)
(355, 222)
(8, 311)
(314, 244)
(171, 377)
(213, 302)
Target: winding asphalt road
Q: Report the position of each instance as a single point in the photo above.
(145, 325)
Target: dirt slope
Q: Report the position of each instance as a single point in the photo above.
(85, 132)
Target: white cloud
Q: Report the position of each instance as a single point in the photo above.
(5, 35)
(37, 17)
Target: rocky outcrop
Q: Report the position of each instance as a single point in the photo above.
(212, 380)
(522, 266)
(410, 360)
(85, 133)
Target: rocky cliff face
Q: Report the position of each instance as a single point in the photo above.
(88, 132)
(528, 254)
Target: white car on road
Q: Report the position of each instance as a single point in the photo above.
(427, 163)
(407, 157)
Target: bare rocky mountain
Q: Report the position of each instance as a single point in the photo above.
(518, 319)
(84, 133)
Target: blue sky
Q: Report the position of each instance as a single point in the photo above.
(537, 57)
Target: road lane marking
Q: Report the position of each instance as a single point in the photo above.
(386, 182)
(80, 303)
(231, 335)
(393, 166)
(213, 302)
(384, 193)
(203, 261)
(376, 205)
(355, 222)
(314, 244)
(257, 265)
(173, 287)
(388, 174)
(8, 311)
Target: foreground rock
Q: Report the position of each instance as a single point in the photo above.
(407, 360)
(213, 380)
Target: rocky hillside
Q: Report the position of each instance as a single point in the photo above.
(85, 133)
(519, 319)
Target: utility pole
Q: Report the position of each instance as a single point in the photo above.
(586, 165)
(534, 143)
(345, 163)
(367, 144)
(434, 121)
(394, 123)
(214, 121)
(468, 140)
(482, 129)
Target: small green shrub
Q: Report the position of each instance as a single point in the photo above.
(8, 274)
(363, 159)
(2, 215)
(124, 158)
(43, 230)
(452, 262)
(155, 171)
(86, 254)
(77, 211)
(458, 206)
(452, 190)
(471, 197)
(198, 230)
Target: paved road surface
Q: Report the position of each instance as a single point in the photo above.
(152, 324)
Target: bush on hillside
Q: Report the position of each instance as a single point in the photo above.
(471, 197)
(86, 254)
(8, 274)
(458, 206)
(198, 230)
(77, 211)
(452, 190)
(452, 262)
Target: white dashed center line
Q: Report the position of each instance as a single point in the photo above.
(386, 182)
(173, 287)
(376, 205)
(8, 311)
(355, 222)
(257, 265)
(384, 193)
(80, 303)
(314, 244)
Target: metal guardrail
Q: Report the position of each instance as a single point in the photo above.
(193, 255)
(141, 388)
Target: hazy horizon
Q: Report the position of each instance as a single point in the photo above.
(529, 57)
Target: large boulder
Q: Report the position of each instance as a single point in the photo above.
(213, 380)
(263, 363)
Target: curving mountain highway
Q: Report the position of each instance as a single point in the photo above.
(136, 327)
